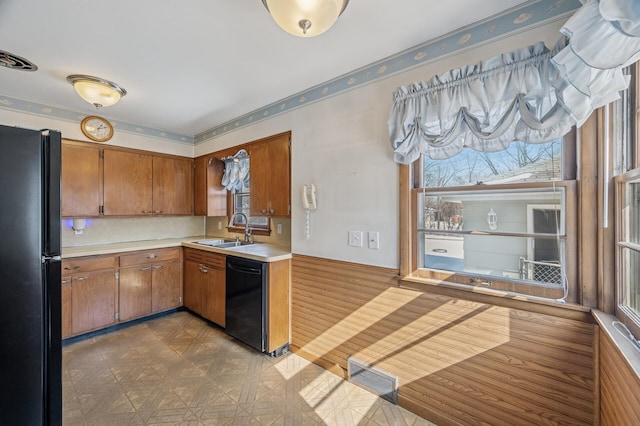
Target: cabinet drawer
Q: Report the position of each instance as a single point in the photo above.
(85, 264)
(213, 260)
(149, 256)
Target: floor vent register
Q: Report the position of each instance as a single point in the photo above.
(373, 379)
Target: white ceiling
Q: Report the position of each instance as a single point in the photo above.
(191, 65)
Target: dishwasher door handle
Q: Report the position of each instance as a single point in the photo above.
(244, 269)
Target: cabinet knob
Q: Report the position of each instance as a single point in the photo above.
(264, 210)
(203, 211)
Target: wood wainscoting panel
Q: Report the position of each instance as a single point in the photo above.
(457, 361)
(619, 387)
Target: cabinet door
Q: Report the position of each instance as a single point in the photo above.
(93, 303)
(214, 296)
(127, 183)
(66, 307)
(270, 177)
(172, 186)
(194, 280)
(210, 196)
(166, 286)
(81, 180)
(135, 292)
(200, 186)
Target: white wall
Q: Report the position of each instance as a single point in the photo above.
(341, 145)
(71, 130)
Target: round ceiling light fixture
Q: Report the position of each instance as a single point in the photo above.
(97, 91)
(305, 18)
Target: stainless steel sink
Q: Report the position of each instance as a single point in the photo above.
(223, 243)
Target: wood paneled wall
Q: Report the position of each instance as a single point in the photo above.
(619, 387)
(457, 361)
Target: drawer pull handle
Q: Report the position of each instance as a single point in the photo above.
(147, 211)
(157, 266)
(146, 268)
(66, 268)
(151, 256)
(81, 278)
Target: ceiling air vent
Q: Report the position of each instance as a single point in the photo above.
(15, 62)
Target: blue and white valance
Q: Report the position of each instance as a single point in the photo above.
(236, 172)
(604, 37)
(484, 106)
(532, 94)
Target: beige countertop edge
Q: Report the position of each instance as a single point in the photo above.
(262, 252)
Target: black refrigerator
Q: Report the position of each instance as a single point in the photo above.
(30, 269)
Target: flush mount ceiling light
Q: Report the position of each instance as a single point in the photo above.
(305, 18)
(96, 91)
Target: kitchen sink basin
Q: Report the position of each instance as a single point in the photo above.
(223, 243)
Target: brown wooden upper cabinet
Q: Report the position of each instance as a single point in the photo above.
(81, 180)
(128, 183)
(172, 186)
(98, 180)
(270, 176)
(210, 196)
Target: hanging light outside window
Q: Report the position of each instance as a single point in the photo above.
(492, 220)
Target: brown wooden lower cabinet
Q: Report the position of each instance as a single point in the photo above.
(205, 285)
(89, 290)
(135, 292)
(166, 285)
(149, 282)
(96, 295)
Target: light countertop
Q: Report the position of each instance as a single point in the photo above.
(258, 251)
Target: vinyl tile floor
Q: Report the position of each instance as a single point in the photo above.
(180, 370)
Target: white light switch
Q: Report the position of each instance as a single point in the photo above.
(279, 228)
(374, 239)
(219, 224)
(355, 238)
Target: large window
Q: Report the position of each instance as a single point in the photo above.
(626, 166)
(501, 220)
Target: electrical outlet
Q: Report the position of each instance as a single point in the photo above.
(374, 239)
(219, 224)
(355, 238)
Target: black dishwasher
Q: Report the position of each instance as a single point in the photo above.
(246, 301)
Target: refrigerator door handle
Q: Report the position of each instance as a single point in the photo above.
(46, 259)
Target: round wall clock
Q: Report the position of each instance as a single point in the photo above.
(96, 128)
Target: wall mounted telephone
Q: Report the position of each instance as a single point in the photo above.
(309, 203)
(309, 196)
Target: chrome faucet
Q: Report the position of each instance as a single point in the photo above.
(247, 231)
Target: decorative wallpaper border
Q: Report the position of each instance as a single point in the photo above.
(35, 108)
(515, 20)
(518, 19)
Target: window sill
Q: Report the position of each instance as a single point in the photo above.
(498, 298)
(628, 350)
(254, 231)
